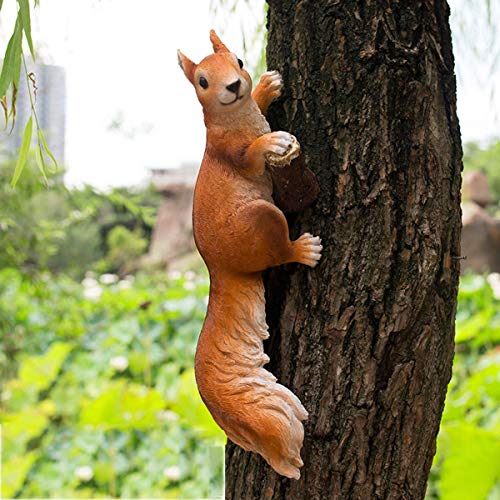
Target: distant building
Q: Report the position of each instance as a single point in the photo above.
(50, 107)
(173, 233)
(163, 178)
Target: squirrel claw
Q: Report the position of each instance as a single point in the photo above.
(268, 89)
(283, 148)
(307, 250)
(272, 82)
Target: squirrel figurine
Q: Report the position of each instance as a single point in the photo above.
(239, 233)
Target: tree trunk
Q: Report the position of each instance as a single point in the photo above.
(366, 338)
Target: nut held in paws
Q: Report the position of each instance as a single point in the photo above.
(290, 154)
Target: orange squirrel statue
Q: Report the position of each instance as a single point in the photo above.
(240, 232)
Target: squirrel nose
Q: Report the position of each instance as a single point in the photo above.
(234, 87)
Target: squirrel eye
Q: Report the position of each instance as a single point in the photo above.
(203, 82)
(240, 62)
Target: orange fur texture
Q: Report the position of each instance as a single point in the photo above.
(239, 233)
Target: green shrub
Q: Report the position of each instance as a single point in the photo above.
(467, 463)
(100, 398)
(71, 230)
(124, 249)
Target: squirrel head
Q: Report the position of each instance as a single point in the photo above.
(221, 83)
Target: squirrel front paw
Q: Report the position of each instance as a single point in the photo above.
(307, 250)
(279, 142)
(281, 149)
(274, 148)
(271, 84)
(267, 90)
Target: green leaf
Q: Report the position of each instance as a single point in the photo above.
(472, 327)
(17, 56)
(123, 406)
(24, 9)
(12, 58)
(193, 411)
(40, 162)
(47, 149)
(471, 467)
(14, 473)
(23, 152)
(103, 472)
(139, 362)
(19, 428)
(125, 330)
(40, 371)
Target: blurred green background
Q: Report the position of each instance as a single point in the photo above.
(98, 396)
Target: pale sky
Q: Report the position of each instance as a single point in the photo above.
(120, 61)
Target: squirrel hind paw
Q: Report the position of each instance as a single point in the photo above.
(307, 250)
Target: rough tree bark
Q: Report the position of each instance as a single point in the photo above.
(365, 339)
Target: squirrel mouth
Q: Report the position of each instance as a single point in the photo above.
(237, 98)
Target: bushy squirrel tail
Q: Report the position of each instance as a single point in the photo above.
(255, 411)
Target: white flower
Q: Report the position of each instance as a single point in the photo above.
(173, 472)
(174, 275)
(130, 278)
(89, 282)
(5, 395)
(494, 281)
(124, 284)
(189, 275)
(90, 274)
(189, 285)
(108, 279)
(167, 416)
(119, 363)
(93, 292)
(84, 473)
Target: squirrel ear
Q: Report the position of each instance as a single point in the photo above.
(217, 43)
(186, 65)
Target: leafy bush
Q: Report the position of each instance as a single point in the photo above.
(64, 230)
(23, 239)
(101, 399)
(124, 249)
(467, 463)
